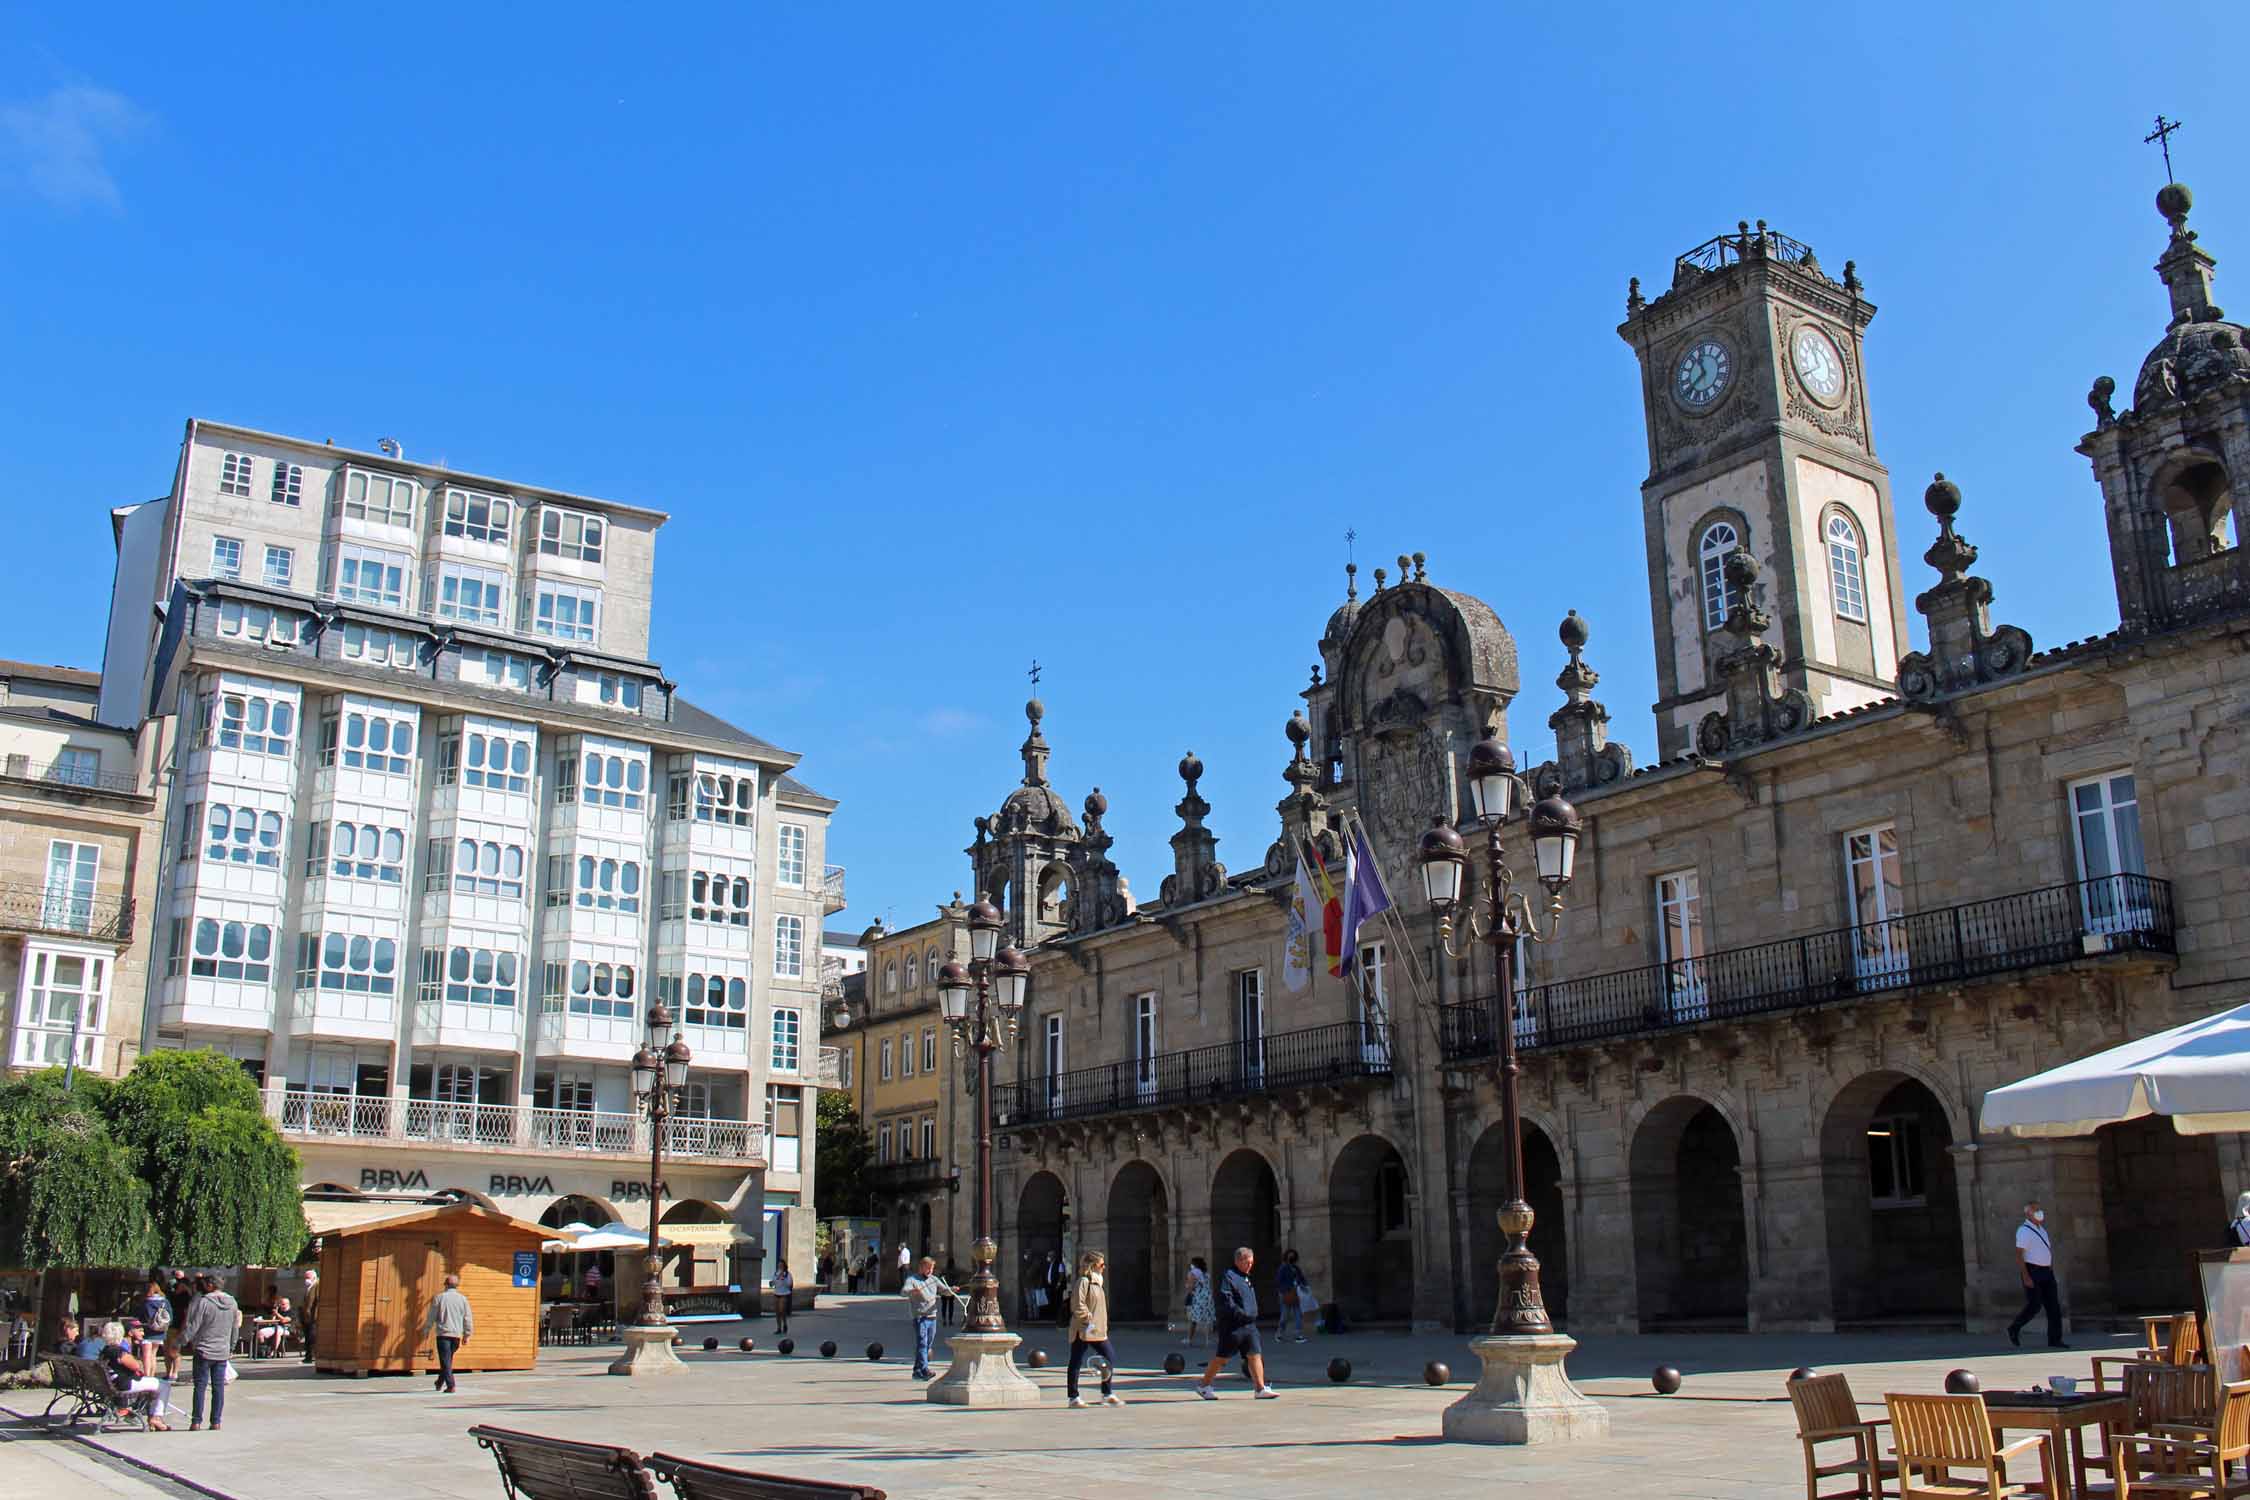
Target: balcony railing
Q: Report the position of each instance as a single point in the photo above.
(832, 887)
(305, 1113)
(1285, 1060)
(36, 908)
(1978, 939)
(829, 1072)
(71, 774)
(904, 1176)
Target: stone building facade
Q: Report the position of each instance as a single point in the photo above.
(1863, 886)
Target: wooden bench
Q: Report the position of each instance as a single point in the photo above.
(83, 1391)
(692, 1479)
(544, 1468)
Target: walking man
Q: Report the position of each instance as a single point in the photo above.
(2035, 1262)
(209, 1339)
(452, 1320)
(1238, 1330)
(905, 1263)
(923, 1289)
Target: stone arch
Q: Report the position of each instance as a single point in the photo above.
(1690, 1242)
(1246, 1210)
(1893, 1205)
(1543, 1190)
(693, 1211)
(2197, 495)
(580, 1208)
(1371, 1229)
(1040, 1214)
(2162, 1199)
(464, 1195)
(334, 1192)
(1054, 894)
(1139, 1244)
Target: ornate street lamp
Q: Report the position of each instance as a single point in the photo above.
(981, 1003)
(1513, 1402)
(660, 1069)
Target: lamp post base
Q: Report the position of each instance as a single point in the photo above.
(1525, 1395)
(648, 1351)
(983, 1373)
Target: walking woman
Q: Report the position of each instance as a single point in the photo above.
(1089, 1328)
(1291, 1283)
(1201, 1314)
(784, 1287)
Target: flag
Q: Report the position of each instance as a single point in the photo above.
(1364, 896)
(1331, 914)
(1297, 961)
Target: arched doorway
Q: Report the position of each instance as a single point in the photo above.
(1488, 1190)
(2161, 1201)
(1140, 1245)
(1246, 1210)
(1893, 1210)
(1371, 1232)
(1039, 1234)
(1690, 1252)
(576, 1208)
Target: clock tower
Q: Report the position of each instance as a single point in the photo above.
(1758, 440)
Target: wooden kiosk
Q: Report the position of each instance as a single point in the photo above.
(379, 1275)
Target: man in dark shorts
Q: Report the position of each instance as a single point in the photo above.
(1238, 1330)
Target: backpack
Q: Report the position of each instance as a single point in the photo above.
(160, 1314)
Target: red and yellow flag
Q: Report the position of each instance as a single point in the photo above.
(1331, 914)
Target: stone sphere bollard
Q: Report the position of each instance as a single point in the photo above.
(1339, 1370)
(1037, 1359)
(827, 1348)
(1802, 1372)
(1173, 1363)
(786, 1346)
(747, 1345)
(709, 1345)
(1962, 1383)
(874, 1351)
(1436, 1372)
(1665, 1378)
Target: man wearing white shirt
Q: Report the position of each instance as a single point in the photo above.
(2035, 1262)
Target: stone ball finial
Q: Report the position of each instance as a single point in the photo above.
(1742, 569)
(1574, 633)
(1035, 711)
(1421, 567)
(1096, 805)
(1297, 729)
(1191, 769)
(1380, 575)
(2173, 200)
(1943, 498)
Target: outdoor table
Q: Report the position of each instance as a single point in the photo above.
(2045, 1412)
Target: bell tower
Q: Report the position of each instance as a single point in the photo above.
(1758, 440)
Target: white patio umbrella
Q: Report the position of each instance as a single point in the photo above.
(611, 1236)
(2199, 1074)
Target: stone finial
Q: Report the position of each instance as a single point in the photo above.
(1096, 806)
(1421, 567)
(2100, 398)
(1196, 871)
(1191, 770)
(1584, 756)
(1405, 568)
(1758, 707)
(2185, 266)
(1380, 575)
(1304, 812)
(1851, 278)
(2173, 200)
(1966, 650)
(1634, 301)
(1034, 748)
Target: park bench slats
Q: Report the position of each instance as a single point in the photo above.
(82, 1389)
(692, 1479)
(533, 1467)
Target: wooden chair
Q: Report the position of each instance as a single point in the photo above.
(692, 1479)
(2183, 1345)
(544, 1468)
(2174, 1397)
(2214, 1462)
(1935, 1435)
(1827, 1414)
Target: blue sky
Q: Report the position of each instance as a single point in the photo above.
(955, 336)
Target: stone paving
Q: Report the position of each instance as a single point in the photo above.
(1728, 1432)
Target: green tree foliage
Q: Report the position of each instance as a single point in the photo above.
(222, 1182)
(844, 1150)
(70, 1194)
(175, 1163)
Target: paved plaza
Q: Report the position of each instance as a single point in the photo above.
(1729, 1432)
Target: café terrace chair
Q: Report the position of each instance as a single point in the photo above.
(2183, 1345)
(2213, 1461)
(1938, 1436)
(1827, 1416)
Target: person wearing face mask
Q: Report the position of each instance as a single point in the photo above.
(2035, 1262)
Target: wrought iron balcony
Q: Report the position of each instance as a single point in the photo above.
(832, 888)
(37, 908)
(313, 1114)
(1976, 940)
(1310, 1058)
(72, 776)
(829, 1070)
(905, 1176)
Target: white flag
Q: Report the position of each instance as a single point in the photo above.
(1304, 900)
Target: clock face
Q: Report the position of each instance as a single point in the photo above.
(1702, 374)
(1818, 364)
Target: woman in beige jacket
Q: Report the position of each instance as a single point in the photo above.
(1089, 1327)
